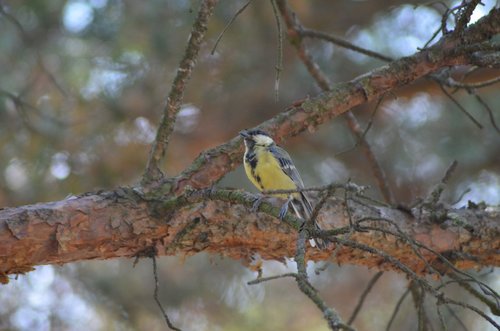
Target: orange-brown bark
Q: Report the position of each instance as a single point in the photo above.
(121, 224)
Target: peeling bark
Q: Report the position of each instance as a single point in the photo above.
(121, 224)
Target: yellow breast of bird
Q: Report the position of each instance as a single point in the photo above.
(267, 175)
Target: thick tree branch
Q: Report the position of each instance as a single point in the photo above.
(176, 94)
(475, 42)
(122, 224)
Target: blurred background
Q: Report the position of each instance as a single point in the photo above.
(83, 84)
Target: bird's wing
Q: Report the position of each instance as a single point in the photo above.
(287, 165)
(302, 206)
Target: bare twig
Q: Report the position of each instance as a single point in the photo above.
(228, 25)
(462, 109)
(266, 279)
(28, 41)
(396, 309)
(489, 111)
(279, 55)
(464, 283)
(441, 319)
(174, 100)
(455, 316)
(363, 296)
(478, 311)
(308, 33)
(453, 83)
(157, 286)
(414, 277)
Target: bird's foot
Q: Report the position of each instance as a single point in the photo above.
(256, 203)
(284, 209)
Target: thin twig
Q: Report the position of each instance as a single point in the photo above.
(434, 35)
(462, 109)
(441, 319)
(396, 309)
(228, 25)
(308, 33)
(174, 100)
(489, 111)
(464, 283)
(485, 83)
(455, 316)
(414, 244)
(418, 295)
(363, 296)
(157, 287)
(279, 56)
(266, 279)
(470, 307)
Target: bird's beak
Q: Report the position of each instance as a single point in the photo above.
(244, 134)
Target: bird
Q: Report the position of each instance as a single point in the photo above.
(269, 167)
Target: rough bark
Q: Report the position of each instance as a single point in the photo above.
(121, 223)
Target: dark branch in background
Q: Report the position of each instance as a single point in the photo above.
(488, 110)
(212, 52)
(471, 89)
(28, 41)
(295, 34)
(22, 107)
(174, 100)
(459, 106)
(365, 131)
(309, 33)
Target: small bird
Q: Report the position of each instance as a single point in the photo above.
(269, 167)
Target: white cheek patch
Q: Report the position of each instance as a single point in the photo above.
(263, 140)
